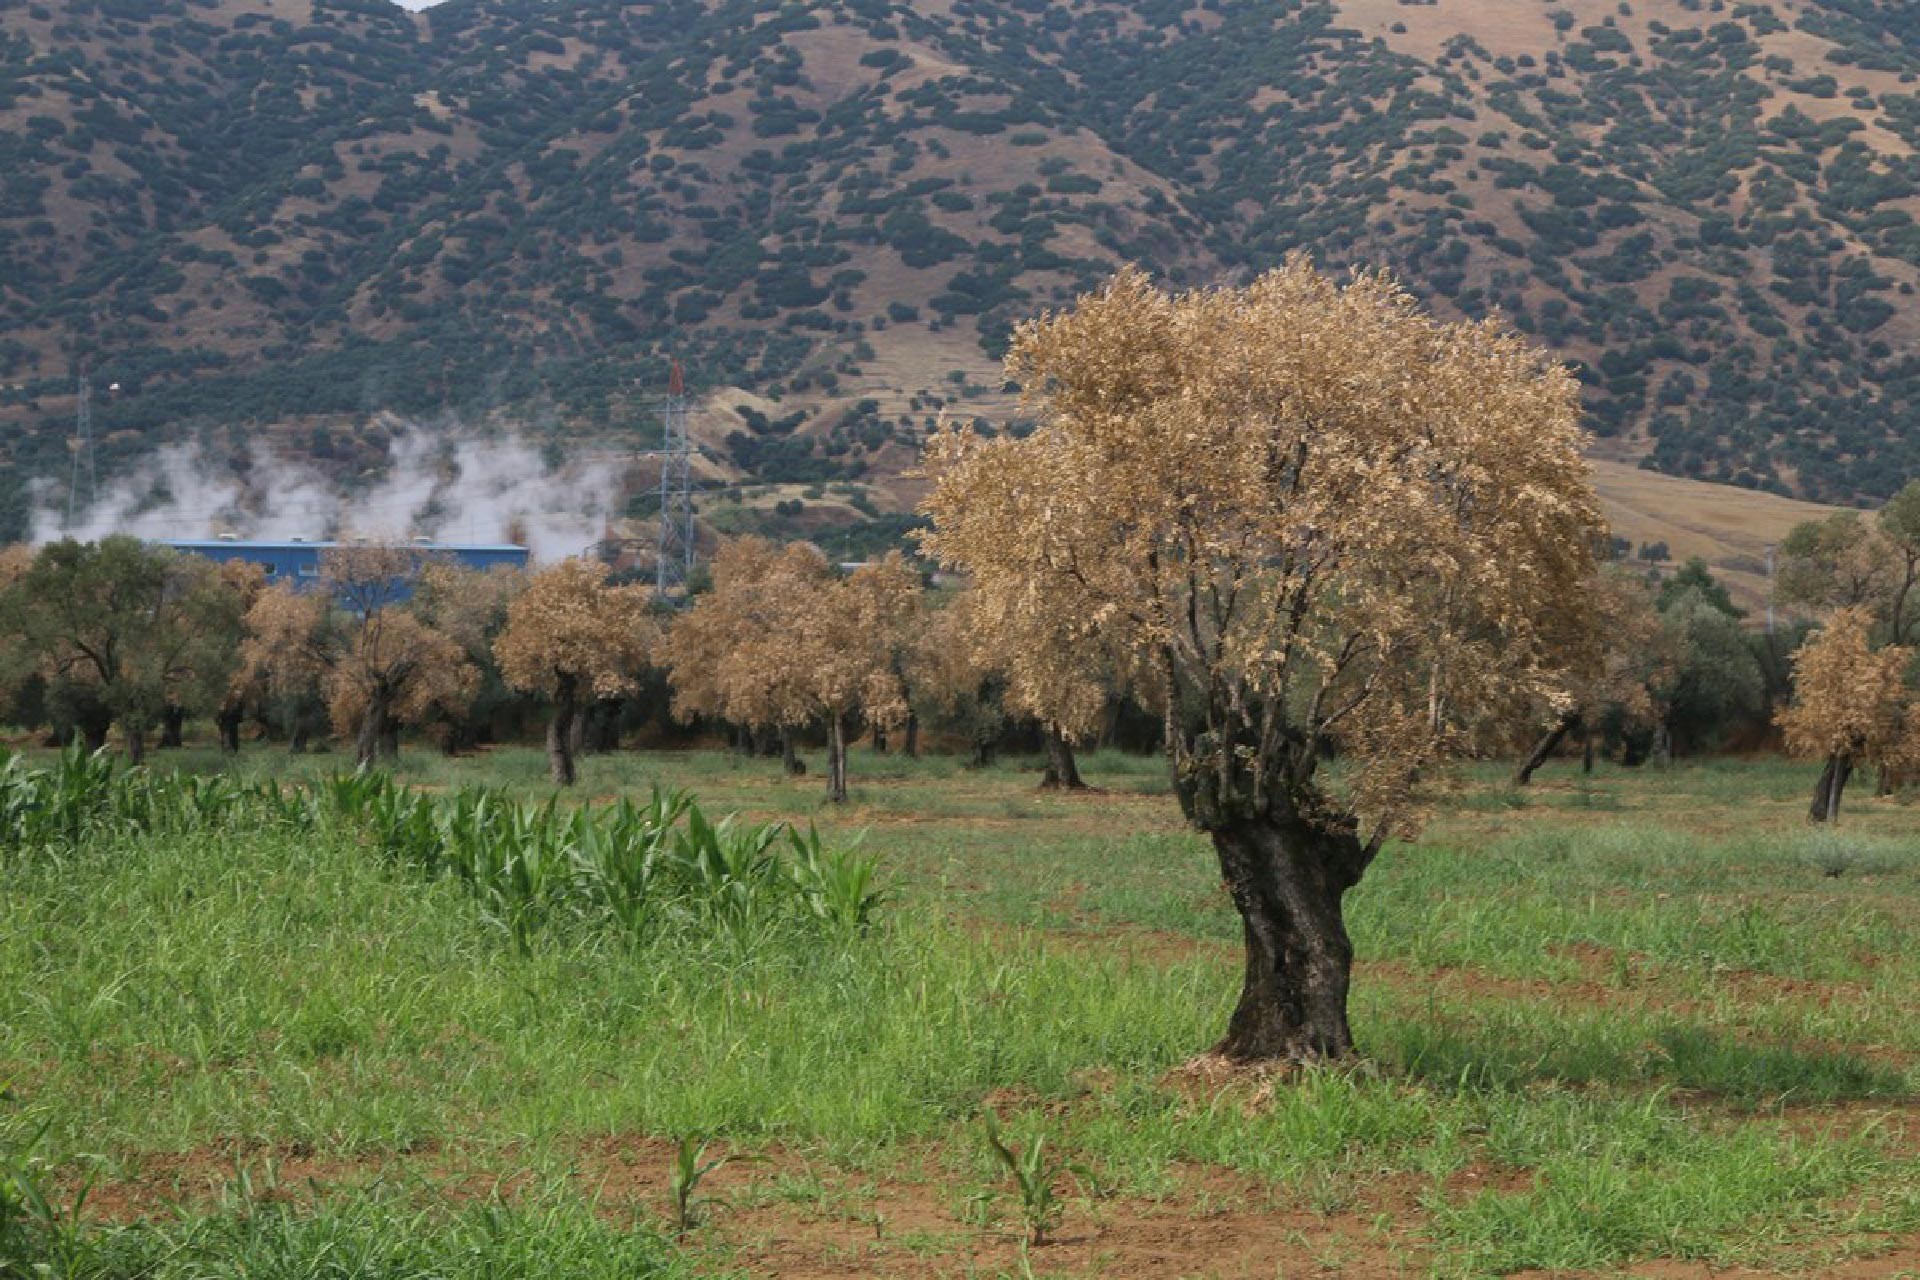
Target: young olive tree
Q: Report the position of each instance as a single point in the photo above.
(783, 640)
(947, 677)
(1620, 661)
(732, 656)
(1330, 527)
(1851, 705)
(377, 663)
(571, 635)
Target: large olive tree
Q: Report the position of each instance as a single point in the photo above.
(1333, 529)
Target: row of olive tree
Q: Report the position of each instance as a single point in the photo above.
(125, 633)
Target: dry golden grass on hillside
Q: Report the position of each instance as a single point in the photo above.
(1728, 527)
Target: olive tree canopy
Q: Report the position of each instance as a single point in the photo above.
(1330, 527)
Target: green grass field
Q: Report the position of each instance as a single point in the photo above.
(1646, 1023)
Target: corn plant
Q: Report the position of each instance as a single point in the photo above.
(1035, 1178)
(37, 1236)
(689, 1171)
(638, 867)
(838, 887)
(81, 797)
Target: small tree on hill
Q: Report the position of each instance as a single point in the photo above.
(572, 636)
(1850, 707)
(1330, 526)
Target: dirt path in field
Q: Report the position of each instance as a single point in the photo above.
(789, 1216)
(923, 1216)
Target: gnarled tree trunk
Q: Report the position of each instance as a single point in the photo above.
(93, 732)
(560, 731)
(1826, 792)
(1288, 879)
(228, 723)
(1544, 749)
(376, 738)
(173, 728)
(1063, 771)
(837, 758)
(602, 720)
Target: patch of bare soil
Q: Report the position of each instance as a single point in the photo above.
(1217, 1224)
(784, 1215)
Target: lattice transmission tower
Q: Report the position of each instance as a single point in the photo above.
(83, 463)
(673, 563)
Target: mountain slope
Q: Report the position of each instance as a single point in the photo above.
(284, 215)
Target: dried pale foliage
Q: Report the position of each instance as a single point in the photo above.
(783, 639)
(15, 560)
(1322, 521)
(1850, 699)
(287, 646)
(732, 655)
(358, 642)
(853, 637)
(469, 605)
(1064, 675)
(944, 665)
(570, 626)
(1630, 653)
(392, 654)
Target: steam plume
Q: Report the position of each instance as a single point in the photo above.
(449, 487)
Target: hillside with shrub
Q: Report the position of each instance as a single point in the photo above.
(282, 216)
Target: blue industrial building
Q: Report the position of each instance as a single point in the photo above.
(299, 562)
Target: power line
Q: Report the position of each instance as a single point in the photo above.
(673, 562)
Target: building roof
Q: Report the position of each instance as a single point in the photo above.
(227, 544)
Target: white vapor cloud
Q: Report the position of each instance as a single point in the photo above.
(449, 487)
